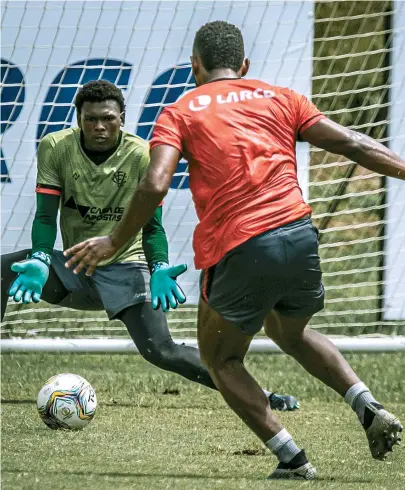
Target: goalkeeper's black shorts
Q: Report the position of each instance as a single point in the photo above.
(112, 288)
(277, 270)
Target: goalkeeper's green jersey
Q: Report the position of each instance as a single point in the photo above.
(93, 197)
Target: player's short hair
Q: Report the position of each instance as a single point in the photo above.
(99, 91)
(220, 45)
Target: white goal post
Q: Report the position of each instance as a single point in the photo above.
(344, 344)
(346, 56)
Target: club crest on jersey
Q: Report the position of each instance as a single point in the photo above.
(119, 178)
(203, 101)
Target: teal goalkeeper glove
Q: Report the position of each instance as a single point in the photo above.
(163, 286)
(33, 274)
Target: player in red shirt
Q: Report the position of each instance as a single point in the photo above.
(238, 137)
(255, 241)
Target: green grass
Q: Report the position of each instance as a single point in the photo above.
(153, 430)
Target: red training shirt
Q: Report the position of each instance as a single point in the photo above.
(239, 138)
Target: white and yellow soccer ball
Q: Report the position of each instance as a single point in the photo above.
(67, 401)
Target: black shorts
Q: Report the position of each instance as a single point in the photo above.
(112, 288)
(277, 270)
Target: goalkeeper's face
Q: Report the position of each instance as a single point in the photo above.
(100, 123)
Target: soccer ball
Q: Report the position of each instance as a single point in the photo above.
(66, 401)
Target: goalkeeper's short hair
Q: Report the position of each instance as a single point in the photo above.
(99, 91)
(220, 45)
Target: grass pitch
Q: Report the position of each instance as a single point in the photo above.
(153, 430)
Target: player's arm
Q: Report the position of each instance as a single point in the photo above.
(34, 272)
(148, 195)
(163, 285)
(358, 147)
(44, 226)
(48, 191)
(164, 289)
(154, 240)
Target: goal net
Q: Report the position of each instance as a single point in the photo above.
(346, 56)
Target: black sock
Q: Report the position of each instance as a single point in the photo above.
(369, 415)
(298, 460)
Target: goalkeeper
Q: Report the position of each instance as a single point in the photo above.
(255, 241)
(91, 173)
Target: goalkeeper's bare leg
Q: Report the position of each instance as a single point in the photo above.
(319, 356)
(223, 347)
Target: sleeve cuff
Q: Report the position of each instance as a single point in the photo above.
(48, 189)
(155, 143)
(43, 257)
(311, 121)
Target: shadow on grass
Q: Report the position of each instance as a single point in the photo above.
(173, 475)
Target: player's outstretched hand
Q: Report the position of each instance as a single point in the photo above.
(163, 286)
(32, 276)
(90, 253)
